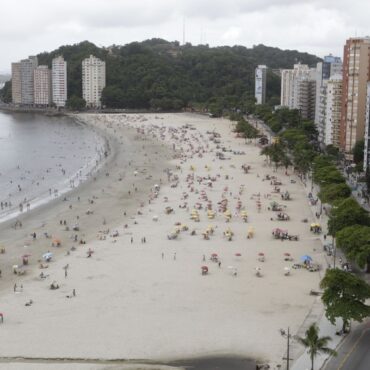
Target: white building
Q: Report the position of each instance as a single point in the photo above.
(297, 86)
(42, 86)
(287, 77)
(27, 86)
(59, 81)
(260, 84)
(333, 110)
(93, 81)
(331, 66)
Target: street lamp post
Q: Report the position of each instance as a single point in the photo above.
(287, 358)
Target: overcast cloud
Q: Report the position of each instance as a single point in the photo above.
(320, 27)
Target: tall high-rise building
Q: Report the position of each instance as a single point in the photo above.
(16, 83)
(42, 86)
(306, 97)
(329, 67)
(333, 107)
(367, 131)
(27, 86)
(59, 81)
(298, 89)
(356, 69)
(287, 86)
(93, 81)
(260, 84)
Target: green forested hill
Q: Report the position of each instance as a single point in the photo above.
(164, 75)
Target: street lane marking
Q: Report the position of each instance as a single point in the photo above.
(352, 349)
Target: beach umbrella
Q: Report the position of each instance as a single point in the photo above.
(261, 254)
(258, 268)
(15, 267)
(214, 254)
(287, 269)
(287, 254)
(306, 258)
(204, 268)
(47, 255)
(238, 254)
(26, 255)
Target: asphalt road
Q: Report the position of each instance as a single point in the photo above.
(354, 353)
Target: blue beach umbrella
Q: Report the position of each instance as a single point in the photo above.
(47, 256)
(306, 258)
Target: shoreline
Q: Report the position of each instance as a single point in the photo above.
(138, 285)
(11, 238)
(68, 185)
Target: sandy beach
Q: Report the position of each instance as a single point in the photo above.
(150, 228)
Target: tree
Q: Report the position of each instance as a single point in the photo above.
(354, 241)
(344, 297)
(113, 97)
(346, 213)
(358, 151)
(76, 103)
(6, 92)
(315, 344)
(334, 192)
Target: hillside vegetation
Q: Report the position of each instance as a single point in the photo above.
(158, 74)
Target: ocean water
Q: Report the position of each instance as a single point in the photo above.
(41, 158)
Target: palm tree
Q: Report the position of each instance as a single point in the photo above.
(315, 344)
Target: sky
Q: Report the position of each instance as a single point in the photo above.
(28, 27)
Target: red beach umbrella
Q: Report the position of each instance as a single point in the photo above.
(261, 254)
(238, 254)
(204, 268)
(214, 255)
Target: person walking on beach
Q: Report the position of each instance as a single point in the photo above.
(174, 256)
(74, 292)
(15, 287)
(162, 255)
(132, 239)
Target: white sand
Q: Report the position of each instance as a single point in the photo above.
(131, 304)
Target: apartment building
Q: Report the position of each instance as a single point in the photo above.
(356, 67)
(333, 109)
(298, 89)
(260, 84)
(16, 83)
(93, 81)
(27, 83)
(42, 86)
(59, 81)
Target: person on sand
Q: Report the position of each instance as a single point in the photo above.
(74, 292)
(15, 287)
